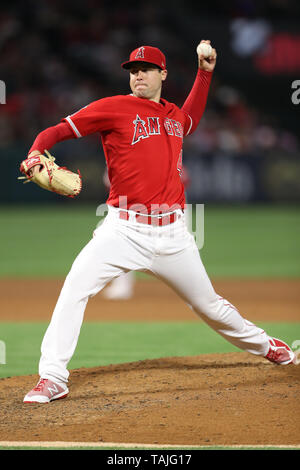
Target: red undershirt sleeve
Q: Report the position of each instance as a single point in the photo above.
(51, 136)
(195, 103)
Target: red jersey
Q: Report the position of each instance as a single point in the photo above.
(142, 143)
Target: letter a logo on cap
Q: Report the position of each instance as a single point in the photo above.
(140, 53)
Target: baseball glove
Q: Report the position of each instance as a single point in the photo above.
(51, 176)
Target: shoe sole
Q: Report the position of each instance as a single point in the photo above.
(58, 397)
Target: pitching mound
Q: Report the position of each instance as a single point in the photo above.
(222, 399)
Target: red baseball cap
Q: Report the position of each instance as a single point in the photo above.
(149, 54)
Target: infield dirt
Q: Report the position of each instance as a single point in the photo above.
(216, 399)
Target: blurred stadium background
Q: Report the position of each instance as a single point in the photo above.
(57, 56)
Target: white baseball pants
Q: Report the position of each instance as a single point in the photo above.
(171, 254)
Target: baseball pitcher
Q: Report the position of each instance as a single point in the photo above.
(145, 230)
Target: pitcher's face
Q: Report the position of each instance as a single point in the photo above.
(146, 81)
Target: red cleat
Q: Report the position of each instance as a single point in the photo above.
(280, 352)
(46, 391)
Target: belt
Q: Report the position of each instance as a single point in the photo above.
(155, 220)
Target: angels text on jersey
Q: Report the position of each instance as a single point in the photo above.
(144, 128)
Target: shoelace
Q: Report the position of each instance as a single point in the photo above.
(40, 385)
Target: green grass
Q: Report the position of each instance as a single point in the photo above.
(42, 241)
(248, 241)
(252, 242)
(106, 343)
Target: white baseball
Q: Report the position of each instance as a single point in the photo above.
(205, 49)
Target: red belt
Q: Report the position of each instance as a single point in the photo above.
(157, 221)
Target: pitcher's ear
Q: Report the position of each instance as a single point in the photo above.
(164, 74)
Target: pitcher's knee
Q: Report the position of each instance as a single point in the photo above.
(216, 309)
(79, 287)
(209, 308)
